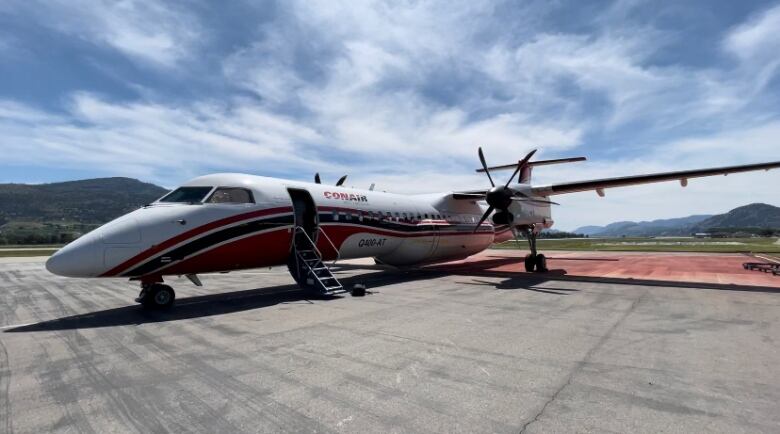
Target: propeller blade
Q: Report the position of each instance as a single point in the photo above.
(484, 166)
(484, 216)
(520, 165)
(317, 178)
(341, 181)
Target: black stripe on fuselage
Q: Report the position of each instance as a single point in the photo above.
(209, 240)
(348, 217)
(248, 228)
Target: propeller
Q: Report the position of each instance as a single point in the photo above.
(339, 183)
(500, 197)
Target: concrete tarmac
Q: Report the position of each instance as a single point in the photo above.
(426, 351)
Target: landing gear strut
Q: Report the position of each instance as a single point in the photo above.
(533, 261)
(156, 296)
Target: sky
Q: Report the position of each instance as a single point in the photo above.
(398, 93)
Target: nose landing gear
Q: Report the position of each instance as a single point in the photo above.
(534, 261)
(156, 296)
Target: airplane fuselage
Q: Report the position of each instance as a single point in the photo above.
(205, 235)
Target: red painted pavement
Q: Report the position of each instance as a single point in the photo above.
(724, 269)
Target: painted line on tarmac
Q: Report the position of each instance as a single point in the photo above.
(766, 258)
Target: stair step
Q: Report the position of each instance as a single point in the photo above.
(319, 273)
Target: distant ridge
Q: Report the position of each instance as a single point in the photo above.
(86, 201)
(60, 212)
(757, 215)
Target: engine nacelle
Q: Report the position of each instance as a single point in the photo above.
(503, 218)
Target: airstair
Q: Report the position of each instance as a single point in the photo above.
(312, 270)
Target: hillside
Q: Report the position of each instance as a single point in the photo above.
(56, 212)
(675, 226)
(757, 215)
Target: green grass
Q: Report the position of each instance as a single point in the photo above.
(26, 253)
(715, 245)
(30, 246)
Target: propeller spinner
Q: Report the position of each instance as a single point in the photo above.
(500, 197)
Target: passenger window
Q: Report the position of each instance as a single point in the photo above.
(231, 195)
(335, 216)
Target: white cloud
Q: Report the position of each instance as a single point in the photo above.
(756, 44)
(153, 33)
(152, 141)
(402, 93)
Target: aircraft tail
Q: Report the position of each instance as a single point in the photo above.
(525, 172)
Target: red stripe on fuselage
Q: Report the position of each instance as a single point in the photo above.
(146, 254)
(261, 250)
(272, 249)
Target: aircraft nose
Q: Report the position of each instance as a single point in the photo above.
(81, 258)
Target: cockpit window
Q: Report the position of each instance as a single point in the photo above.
(186, 195)
(231, 195)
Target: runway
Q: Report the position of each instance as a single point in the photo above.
(465, 347)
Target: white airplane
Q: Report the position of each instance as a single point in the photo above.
(223, 222)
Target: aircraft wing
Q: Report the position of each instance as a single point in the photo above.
(600, 184)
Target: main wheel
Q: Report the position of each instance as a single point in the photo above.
(159, 296)
(541, 263)
(530, 263)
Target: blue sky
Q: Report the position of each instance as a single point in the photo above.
(397, 93)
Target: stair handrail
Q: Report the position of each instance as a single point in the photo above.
(327, 238)
(313, 244)
(319, 254)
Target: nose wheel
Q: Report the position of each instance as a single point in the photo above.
(156, 296)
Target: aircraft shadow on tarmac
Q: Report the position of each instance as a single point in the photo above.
(238, 301)
(213, 304)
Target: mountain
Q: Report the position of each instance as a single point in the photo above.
(757, 215)
(589, 230)
(86, 201)
(668, 227)
(59, 212)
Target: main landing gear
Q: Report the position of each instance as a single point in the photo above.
(534, 261)
(156, 296)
